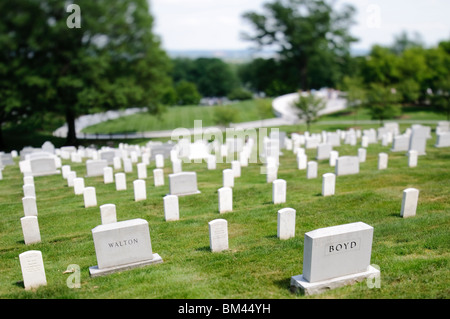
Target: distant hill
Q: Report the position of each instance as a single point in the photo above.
(236, 56)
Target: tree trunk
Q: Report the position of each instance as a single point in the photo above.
(304, 77)
(2, 144)
(71, 139)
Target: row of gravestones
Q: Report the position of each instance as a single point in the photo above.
(219, 236)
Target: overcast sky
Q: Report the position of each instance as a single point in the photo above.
(217, 24)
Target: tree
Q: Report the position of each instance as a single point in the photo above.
(187, 93)
(309, 107)
(212, 76)
(224, 115)
(111, 61)
(356, 94)
(382, 102)
(301, 30)
(240, 94)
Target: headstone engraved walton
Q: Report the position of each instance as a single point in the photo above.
(218, 235)
(335, 256)
(184, 183)
(122, 245)
(409, 202)
(286, 223)
(33, 272)
(347, 165)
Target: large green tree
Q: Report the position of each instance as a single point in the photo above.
(212, 76)
(307, 34)
(107, 59)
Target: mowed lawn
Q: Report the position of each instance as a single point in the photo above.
(175, 117)
(413, 254)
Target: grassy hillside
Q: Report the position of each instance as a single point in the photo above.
(413, 254)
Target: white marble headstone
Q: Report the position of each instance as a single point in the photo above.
(279, 191)
(286, 223)
(171, 208)
(218, 235)
(225, 199)
(33, 272)
(409, 202)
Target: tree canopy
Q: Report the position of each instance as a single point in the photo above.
(112, 60)
(310, 36)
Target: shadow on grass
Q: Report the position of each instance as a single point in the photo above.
(204, 248)
(284, 284)
(19, 284)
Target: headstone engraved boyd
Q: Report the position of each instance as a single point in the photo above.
(218, 235)
(184, 183)
(335, 256)
(33, 272)
(122, 245)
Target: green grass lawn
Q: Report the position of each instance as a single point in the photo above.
(173, 117)
(413, 254)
